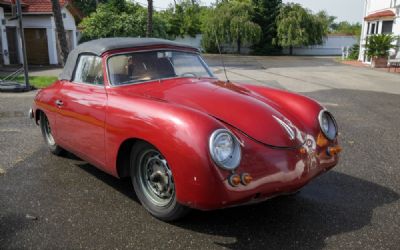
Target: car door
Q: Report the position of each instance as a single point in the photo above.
(82, 105)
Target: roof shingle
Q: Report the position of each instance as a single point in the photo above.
(35, 6)
(380, 14)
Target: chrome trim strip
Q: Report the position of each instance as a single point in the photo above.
(289, 130)
(334, 123)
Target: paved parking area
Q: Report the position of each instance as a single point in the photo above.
(61, 202)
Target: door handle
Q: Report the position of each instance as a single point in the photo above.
(59, 103)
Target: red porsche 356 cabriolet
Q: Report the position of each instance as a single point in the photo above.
(151, 110)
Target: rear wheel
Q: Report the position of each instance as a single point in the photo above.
(48, 136)
(154, 183)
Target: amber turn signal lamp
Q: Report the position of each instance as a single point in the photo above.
(321, 140)
(234, 180)
(333, 150)
(246, 179)
(303, 150)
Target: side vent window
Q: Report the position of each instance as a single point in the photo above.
(89, 70)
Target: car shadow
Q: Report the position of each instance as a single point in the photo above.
(124, 185)
(333, 204)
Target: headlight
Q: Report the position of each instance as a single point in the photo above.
(328, 124)
(225, 149)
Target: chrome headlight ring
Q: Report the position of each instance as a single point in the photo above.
(328, 124)
(225, 149)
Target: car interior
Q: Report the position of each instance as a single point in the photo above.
(146, 66)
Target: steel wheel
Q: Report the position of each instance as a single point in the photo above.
(48, 135)
(154, 184)
(156, 178)
(47, 132)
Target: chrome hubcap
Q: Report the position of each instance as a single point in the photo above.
(156, 178)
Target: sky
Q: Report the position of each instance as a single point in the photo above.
(344, 10)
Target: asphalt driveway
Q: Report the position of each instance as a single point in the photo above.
(54, 202)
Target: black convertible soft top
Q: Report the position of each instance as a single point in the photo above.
(99, 46)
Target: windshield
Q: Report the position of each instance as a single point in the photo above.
(152, 65)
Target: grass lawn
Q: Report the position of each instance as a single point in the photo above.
(38, 81)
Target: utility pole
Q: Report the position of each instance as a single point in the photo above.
(21, 33)
(149, 30)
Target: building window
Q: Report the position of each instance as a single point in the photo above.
(387, 27)
(372, 30)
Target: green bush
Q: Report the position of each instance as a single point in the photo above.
(354, 51)
(380, 45)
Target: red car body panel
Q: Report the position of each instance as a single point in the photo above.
(177, 116)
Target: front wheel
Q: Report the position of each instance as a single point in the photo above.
(154, 183)
(48, 136)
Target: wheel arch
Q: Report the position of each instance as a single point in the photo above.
(124, 156)
(181, 135)
(38, 113)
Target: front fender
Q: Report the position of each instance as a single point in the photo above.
(303, 111)
(180, 133)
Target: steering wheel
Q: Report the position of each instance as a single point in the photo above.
(189, 74)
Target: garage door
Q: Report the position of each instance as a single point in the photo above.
(36, 46)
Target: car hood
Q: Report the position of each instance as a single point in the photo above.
(255, 116)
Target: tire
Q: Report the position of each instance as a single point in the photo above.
(47, 136)
(153, 183)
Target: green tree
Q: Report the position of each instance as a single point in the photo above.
(265, 15)
(327, 21)
(205, 13)
(347, 28)
(108, 21)
(297, 26)
(231, 22)
(332, 27)
(117, 5)
(191, 18)
(173, 18)
(87, 6)
(183, 18)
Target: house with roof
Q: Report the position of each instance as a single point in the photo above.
(380, 17)
(41, 40)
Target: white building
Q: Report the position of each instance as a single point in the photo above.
(380, 17)
(39, 29)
